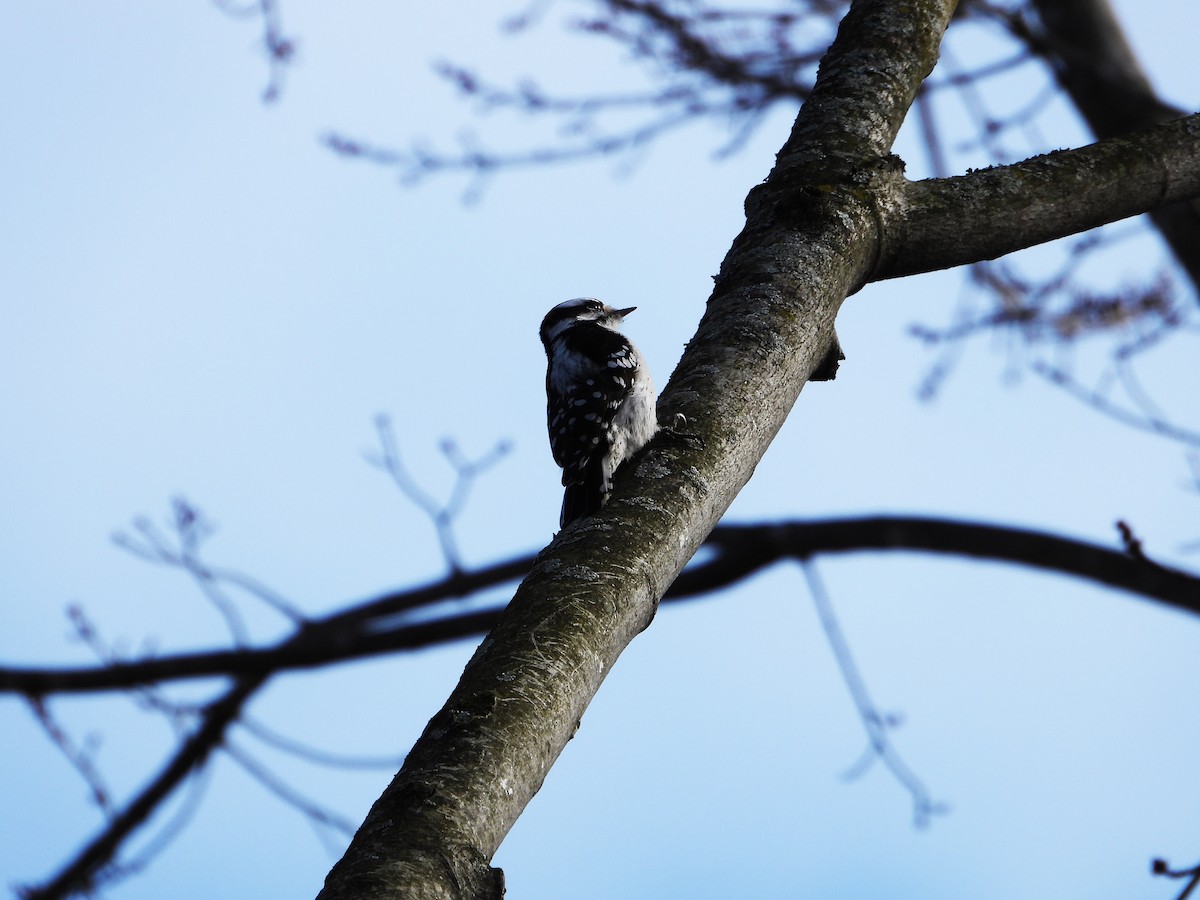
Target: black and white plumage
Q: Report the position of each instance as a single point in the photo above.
(599, 400)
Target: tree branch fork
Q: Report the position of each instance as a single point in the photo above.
(948, 222)
(832, 215)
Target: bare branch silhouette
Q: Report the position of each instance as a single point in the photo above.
(280, 49)
(877, 725)
(321, 818)
(300, 750)
(1161, 867)
(378, 626)
(81, 756)
(442, 514)
(191, 529)
(90, 867)
(1141, 419)
(1055, 313)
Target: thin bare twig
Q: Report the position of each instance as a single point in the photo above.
(1102, 403)
(280, 50)
(475, 159)
(442, 514)
(191, 529)
(877, 725)
(82, 757)
(92, 864)
(317, 815)
(1161, 868)
(300, 750)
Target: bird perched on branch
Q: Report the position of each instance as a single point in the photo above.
(599, 400)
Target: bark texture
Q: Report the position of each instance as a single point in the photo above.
(810, 237)
(1041, 199)
(834, 211)
(1086, 47)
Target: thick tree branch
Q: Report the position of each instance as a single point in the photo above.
(946, 222)
(1084, 45)
(768, 325)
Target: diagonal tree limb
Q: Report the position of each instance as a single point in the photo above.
(817, 229)
(769, 324)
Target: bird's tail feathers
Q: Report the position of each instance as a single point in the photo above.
(586, 496)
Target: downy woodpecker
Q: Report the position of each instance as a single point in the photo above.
(600, 401)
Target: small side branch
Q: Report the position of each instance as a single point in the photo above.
(190, 528)
(1144, 418)
(300, 750)
(82, 757)
(280, 50)
(322, 819)
(1192, 876)
(880, 746)
(89, 866)
(443, 515)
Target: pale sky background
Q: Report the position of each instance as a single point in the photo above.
(199, 299)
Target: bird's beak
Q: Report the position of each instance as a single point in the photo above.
(622, 313)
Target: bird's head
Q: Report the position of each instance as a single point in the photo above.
(581, 309)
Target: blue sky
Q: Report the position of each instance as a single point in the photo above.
(200, 299)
